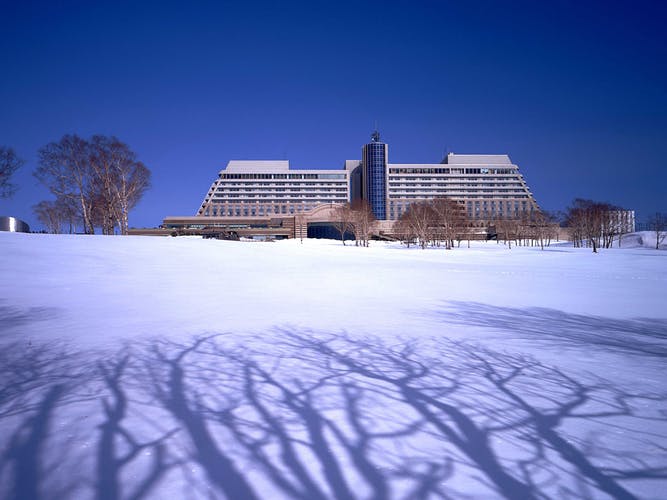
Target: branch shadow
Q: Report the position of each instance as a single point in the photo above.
(639, 336)
(306, 433)
(298, 414)
(15, 317)
(118, 448)
(37, 380)
(54, 401)
(328, 415)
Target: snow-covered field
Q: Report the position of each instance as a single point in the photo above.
(168, 368)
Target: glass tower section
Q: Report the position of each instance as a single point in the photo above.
(375, 176)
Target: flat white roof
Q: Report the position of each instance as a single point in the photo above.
(454, 159)
(273, 167)
(257, 166)
(282, 166)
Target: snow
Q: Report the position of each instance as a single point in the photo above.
(187, 368)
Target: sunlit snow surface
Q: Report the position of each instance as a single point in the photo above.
(144, 367)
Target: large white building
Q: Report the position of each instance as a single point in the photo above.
(271, 188)
(489, 186)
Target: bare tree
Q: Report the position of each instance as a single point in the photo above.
(101, 176)
(9, 163)
(591, 223)
(362, 222)
(464, 232)
(404, 231)
(105, 213)
(580, 220)
(542, 228)
(133, 181)
(419, 221)
(121, 181)
(450, 219)
(612, 224)
(658, 224)
(56, 214)
(64, 168)
(507, 229)
(343, 218)
(50, 215)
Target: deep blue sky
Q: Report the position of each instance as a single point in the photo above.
(575, 92)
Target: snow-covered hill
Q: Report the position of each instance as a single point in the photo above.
(643, 239)
(190, 368)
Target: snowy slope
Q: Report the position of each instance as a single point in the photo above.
(643, 239)
(188, 368)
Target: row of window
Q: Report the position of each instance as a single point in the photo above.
(452, 191)
(281, 184)
(447, 180)
(453, 170)
(283, 176)
(221, 193)
(454, 185)
(475, 209)
(297, 196)
(255, 210)
(458, 187)
(469, 196)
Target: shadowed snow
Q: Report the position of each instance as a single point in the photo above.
(188, 368)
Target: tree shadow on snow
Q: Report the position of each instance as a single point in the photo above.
(638, 336)
(120, 448)
(35, 380)
(314, 415)
(53, 400)
(15, 317)
(333, 416)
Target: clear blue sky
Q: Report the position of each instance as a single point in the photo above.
(575, 92)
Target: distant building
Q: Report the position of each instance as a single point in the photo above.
(488, 185)
(14, 225)
(622, 220)
(249, 192)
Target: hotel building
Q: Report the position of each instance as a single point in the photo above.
(254, 192)
(270, 188)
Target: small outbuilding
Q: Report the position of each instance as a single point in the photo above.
(14, 225)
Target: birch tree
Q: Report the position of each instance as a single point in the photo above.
(121, 180)
(658, 224)
(449, 217)
(101, 176)
(64, 168)
(343, 219)
(9, 163)
(362, 222)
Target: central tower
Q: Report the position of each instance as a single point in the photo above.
(374, 176)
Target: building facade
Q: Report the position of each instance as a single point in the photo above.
(267, 195)
(489, 186)
(271, 188)
(374, 175)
